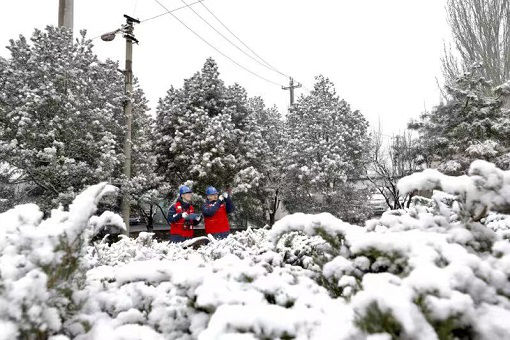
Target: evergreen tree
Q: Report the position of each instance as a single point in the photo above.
(326, 145)
(270, 192)
(61, 116)
(206, 133)
(471, 124)
(146, 187)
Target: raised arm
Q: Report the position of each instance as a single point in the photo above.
(209, 210)
(230, 205)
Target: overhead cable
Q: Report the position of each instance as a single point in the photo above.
(269, 67)
(173, 10)
(213, 47)
(252, 51)
(160, 15)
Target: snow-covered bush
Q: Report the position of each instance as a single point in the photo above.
(434, 271)
(430, 272)
(499, 223)
(41, 267)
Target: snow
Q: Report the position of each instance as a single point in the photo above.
(425, 270)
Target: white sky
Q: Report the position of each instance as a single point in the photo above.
(382, 55)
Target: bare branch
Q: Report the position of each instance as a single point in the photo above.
(481, 33)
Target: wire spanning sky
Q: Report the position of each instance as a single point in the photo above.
(383, 56)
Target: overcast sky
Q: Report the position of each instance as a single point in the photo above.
(382, 55)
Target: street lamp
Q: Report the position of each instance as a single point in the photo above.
(127, 31)
(110, 35)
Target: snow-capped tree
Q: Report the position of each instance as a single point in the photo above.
(270, 192)
(326, 144)
(146, 187)
(471, 124)
(206, 133)
(61, 116)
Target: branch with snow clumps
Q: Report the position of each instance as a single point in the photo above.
(485, 188)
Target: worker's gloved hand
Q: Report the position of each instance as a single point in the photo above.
(221, 198)
(225, 194)
(184, 215)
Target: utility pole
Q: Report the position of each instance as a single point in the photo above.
(128, 30)
(291, 87)
(66, 13)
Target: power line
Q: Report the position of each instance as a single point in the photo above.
(227, 39)
(160, 15)
(245, 45)
(169, 12)
(213, 47)
(205, 41)
(269, 65)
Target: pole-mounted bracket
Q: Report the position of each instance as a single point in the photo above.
(131, 37)
(131, 20)
(128, 28)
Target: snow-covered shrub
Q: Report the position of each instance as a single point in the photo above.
(499, 223)
(41, 268)
(430, 272)
(434, 271)
(187, 294)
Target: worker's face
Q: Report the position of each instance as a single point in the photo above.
(187, 197)
(212, 197)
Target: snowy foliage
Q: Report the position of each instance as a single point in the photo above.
(499, 223)
(61, 112)
(146, 187)
(270, 189)
(472, 124)
(424, 273)
(326, 144)
(206, 132)
(41, 268)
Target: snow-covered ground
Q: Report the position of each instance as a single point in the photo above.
(438, 270)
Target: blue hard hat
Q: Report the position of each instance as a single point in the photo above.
(211, 191)
(184, 190)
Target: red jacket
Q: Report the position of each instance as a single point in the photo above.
(215, 216)
(178, 225)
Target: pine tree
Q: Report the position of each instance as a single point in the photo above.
(326, 145)
(206, 133)
(146, 187)
(270, 192)
(471, 124)
(61, 116)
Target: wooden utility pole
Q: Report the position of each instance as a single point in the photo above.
(128, 30)
(66, 13)
(291, 87)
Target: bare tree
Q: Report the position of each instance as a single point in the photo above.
(388, 164)
(481, 34)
